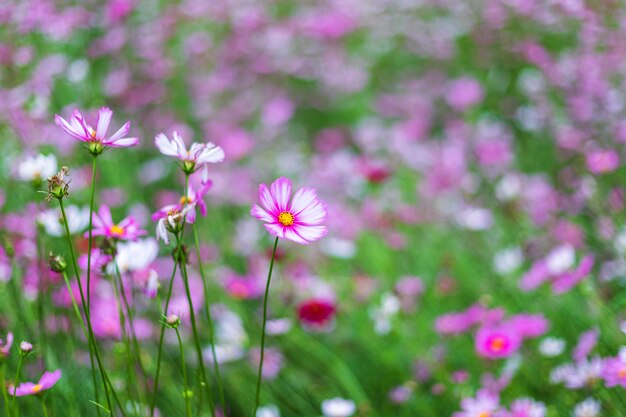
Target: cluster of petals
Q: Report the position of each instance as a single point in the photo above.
(299, 218)
(103, 225)
(78, 128)
(47, 381)
(198, 155)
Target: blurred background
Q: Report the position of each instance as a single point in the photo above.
(469, 151)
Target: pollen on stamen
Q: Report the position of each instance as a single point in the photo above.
(285, 218)
(185, 200)
(37, 388)
(116, 230)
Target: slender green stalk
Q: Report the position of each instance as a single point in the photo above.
(207, 309)
(187, 393)
(44, 408)
(89, 242)
(194, 327)
(16, 411)
(3, 386)
(267, 290)
(160, 352)
(93, 347)
(40, 296)
(131, 325)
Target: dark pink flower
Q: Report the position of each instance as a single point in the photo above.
(299, 219)
(495, 342)
(47, 381)
(316, 314)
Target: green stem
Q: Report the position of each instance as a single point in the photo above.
(44, 408)
(40, 296)
(16, 412)
(187, 393)
(89, 242)
(131, 324)
(93, 347)
(196, 339)
(3, 386)
(161, 337)
(267, 290)
(207, 309)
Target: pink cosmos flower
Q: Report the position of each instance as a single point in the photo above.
(485, 404)
(47, 381)
(103, 225)
(614, 372)
(198, 155)
(187, 204)
(96, 138)
(526, 407)
(602, 161)
(299, 219)
(586, 342)
(495, 342)
(5, 346)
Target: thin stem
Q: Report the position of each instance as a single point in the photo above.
(267, 290)
(16, 412)
(93, 347)
(131, 324)
(196, 339)
(3, 386)
(161, 337)
(44, 408)
(40, 296)
(89, 242)
(187, 393)
(207, 309)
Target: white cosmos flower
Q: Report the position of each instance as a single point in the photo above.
(338, 407)
(52, 221)
(36, 168)
(587, 408)
(135, 256)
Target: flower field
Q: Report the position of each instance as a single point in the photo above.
(239, 208)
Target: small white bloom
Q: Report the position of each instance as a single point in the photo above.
(338, 407)
(339, 248)
(135, 256)
(268, 411)
(37, 168)
(561, 259)
(587, 408)
(507, 260)
(52, 221)
(551, 346)
(475, 218)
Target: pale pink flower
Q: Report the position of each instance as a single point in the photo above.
(299, 219)
(197, 156)
(47, 381)
(96, 138)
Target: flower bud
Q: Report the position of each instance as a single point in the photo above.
(25, 348)
(57, 263)
(57, 185)
(172, 321)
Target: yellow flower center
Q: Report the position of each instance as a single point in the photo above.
(116, 230)
(184, 200)
(36, 388)
(622, 373)
(92, 132)
(484, 414)
(285, 218)
(497, 344)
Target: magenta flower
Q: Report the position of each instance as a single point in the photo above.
(103, 225)
(298, 219)
(5, 346)
(47, 381)
(198, 155)
(495, 342)
(602, 161)
(96, 138)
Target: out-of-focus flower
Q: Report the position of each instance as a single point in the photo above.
(588, 408)
(103, 225)
(136, 256)
(95, 139)
(299, 219)
(187, 203)
(268, 411)
(47, 381)
(194, 158)
(495, 342)
(526, 407)
(316, 314)
(485, 404)
(586, 342)
(37, 168)
(338, 407)
(463, 93)
(52, 221)
(614, 372)
(602, 161)
(272, 362)
(581, 374)
(551, 346)
(5, 346)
